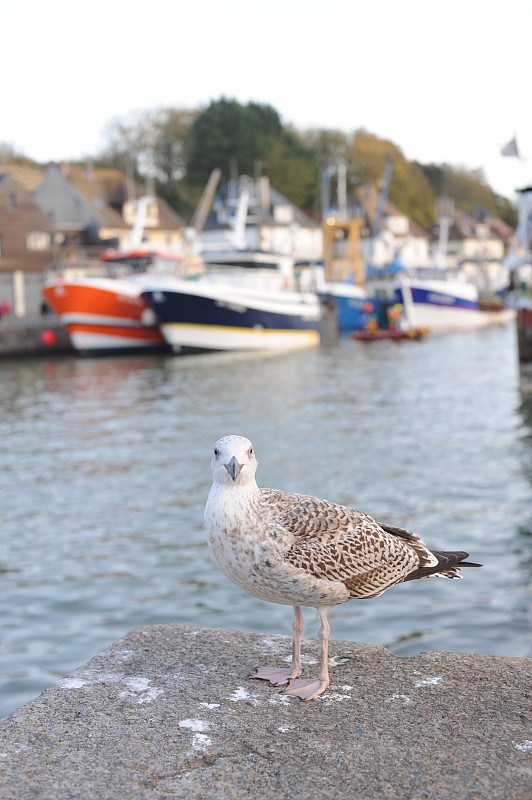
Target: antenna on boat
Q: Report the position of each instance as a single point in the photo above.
(445, 212)
(381, 205)
(205, 203)
(239, 228)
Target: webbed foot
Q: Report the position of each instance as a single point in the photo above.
(307, 688)
(276, 676)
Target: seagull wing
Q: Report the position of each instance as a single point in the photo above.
(336, 543)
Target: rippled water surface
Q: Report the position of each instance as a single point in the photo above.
(105, 472)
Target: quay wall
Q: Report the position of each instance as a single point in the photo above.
(32, 337)
(169, 712)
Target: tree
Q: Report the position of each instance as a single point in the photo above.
(228, 134)
(179, 148)
(469, 190)
(410, 189)
(250, 139)
(153, 144)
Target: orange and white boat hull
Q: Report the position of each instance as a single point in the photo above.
(104, 314)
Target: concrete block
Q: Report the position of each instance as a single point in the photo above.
(169, 712)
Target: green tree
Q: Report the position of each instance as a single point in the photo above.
(250, 139)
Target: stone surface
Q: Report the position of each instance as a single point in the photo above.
(168, 712)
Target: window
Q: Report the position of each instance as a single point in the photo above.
(38, 240)
(12, 201)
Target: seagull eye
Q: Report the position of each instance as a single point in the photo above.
(216, 452)
(250, 452)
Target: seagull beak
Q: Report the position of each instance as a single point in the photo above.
(233, 468)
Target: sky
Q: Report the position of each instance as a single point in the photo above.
(447, 82)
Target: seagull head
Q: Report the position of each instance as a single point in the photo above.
(233, 461)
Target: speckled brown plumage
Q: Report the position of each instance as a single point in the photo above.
(303, 551)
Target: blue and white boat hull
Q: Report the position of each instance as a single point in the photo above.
(445, 305)
(351, 304)
(203, 316)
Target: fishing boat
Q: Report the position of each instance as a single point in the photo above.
(351, 302)
(236, 307)
(453, 304)
(246, 299)
(101, 304)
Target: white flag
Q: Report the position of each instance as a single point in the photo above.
(510, 149)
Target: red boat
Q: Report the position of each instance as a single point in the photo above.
(105, 312)
(393, 334)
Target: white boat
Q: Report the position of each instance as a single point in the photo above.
(235, 309)
(246, 299)
(453, 304)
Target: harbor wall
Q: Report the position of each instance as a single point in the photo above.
(32, 337)
(169, 712)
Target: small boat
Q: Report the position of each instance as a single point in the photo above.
(389, 334)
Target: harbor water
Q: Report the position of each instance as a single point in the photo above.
(105, 473)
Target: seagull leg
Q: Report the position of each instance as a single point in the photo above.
(308, 689)
(278, 677)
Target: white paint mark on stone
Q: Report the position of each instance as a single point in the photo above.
(16, 749)
(242, 694)
(200, 742)
(210, 705)
(108, 677)
(72, 683)
(429, 681)
(404, 698)
(150, 695)
(525, 746)
(125, 654)
(335, 661)
(137, 683)
(334, 697)
(196, 725)
(279, 699)
(139, 688)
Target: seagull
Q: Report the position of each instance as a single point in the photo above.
(302, 551)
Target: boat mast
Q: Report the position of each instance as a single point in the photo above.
(381, 205)
(445, 211)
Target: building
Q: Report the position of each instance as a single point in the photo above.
(269, 223)
(96, 207)
(475, 247)
(26, 247)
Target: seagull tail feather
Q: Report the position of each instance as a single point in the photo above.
(448, 566)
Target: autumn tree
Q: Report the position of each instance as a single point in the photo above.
(178, 148)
